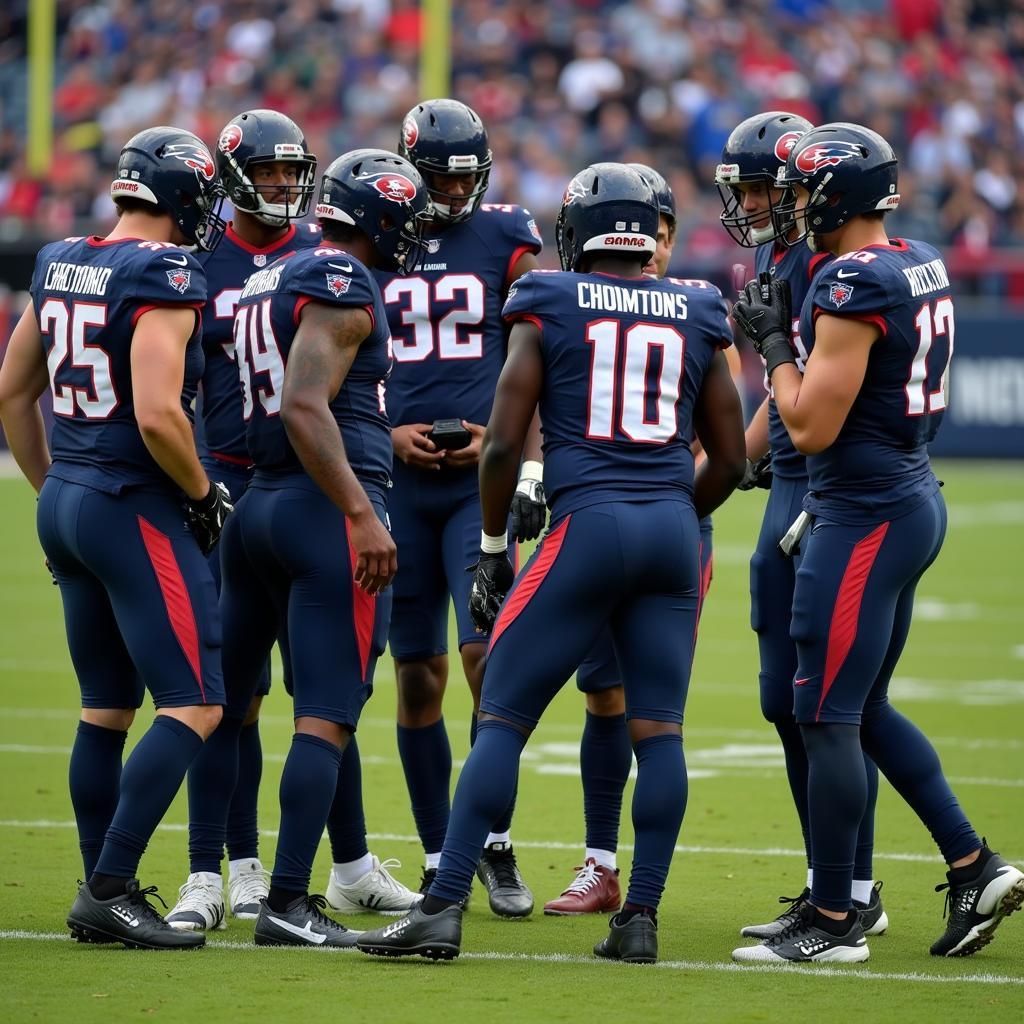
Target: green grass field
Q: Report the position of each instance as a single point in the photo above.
(961, 679)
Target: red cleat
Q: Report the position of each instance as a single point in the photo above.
(594, 890)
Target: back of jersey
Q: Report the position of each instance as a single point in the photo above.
(878, 466)
(268, 317)
(624, 362)
(88, 295)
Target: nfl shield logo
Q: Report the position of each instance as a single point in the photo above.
(179, 280)
(838, 293)
(338, 284)
(260, 259)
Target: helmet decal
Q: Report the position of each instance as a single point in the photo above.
(196, 156)
(229, 138)
(813, 158)
(396, 187)
(784, 144)
(410, 132)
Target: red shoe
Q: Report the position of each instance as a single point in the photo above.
(594, 890)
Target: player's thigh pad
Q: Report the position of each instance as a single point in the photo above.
(848, 588)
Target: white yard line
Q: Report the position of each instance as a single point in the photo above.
(703, 966)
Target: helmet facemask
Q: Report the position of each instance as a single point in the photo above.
(248, 197)
(441, 201)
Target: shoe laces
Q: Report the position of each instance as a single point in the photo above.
(139, 898)
(586, 879)
(315, 904)
(249, 886)
(383, 877)
(802, 915)
(503, 863)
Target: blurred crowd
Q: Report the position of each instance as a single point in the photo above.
(560, 84)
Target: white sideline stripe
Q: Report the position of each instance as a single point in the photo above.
(812, 971)
(538, 844)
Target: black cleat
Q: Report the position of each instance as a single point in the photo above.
(507, 893)
(873, 918)
(303, 923)
(435, 936)
(975, 908)
(429, 874)
(128, 919)
(634, 942)
(802, 942)
(782, 922)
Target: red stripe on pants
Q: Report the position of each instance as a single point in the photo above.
(364, 610)
(519, 598)
(843, 629)
(175, 595)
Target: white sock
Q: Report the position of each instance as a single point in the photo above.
(350, 872)
(810, 878)
(433, 860)
(497, 837)
(236, 867)
(862, 890)
(603, 857)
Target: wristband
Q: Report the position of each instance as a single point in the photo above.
(532, 471)
(493, 545)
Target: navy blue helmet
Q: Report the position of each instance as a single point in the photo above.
(755, 152)
(385, 197)
(662, 192)
(607, 208)
(172, 169)
(447, 137)
(265, 136)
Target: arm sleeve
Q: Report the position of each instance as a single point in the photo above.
(170, 277)
(521, 303)
(338, 280)
(850, 289)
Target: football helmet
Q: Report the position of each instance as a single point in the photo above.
(662, 192)
(265, 136)
(754, 152)
(447, 137)
(608, 208)
(385, 197)
(172, 169)
(846, 169)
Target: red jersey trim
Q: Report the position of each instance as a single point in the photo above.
(255, 250)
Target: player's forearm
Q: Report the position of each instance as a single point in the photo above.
(26, 437)
(717, 479)
(499, 472)
(808, 426)
(757, 433)
(316, 438)
(167, 435)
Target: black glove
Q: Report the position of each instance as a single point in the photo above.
(492, 580)
(764, 315)
(206, 517)
(757, 474)
(529, 511)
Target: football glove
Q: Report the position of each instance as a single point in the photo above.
(492, 580)
(529, 510)
(757, 474)
(763, 313)
(206, 516)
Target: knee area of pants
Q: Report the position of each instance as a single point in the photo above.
(776, 700)
(420, 691)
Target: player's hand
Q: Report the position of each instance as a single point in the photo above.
(529, 510)
(764, 316)
(757, 474)
(414, 447)
(492, 580)
(376, 554)
(470, 455)
(206, 517)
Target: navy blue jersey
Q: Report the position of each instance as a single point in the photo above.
(268, 316)
(449, 340)
(219, 411)
(878, 468)
(88, 294)
(624, 361)
(797, 265)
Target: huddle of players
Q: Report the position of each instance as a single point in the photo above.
(312, 445)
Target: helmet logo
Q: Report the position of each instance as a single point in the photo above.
(229, 139)
(813, 158)
(395, 187)
(179, 280)
(196, 156)
(785, 144)
(410, 132)
(574, 190)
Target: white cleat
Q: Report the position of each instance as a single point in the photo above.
(803, 943)
(248, 887)
(377, 891)
(200, 906)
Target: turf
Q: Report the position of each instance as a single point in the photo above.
(961, 679)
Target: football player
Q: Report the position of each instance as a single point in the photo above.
(268, 172)
(753, 155)
(114, 331)
(600, 347)
(606, 754)
(449, 347)
(871, 397)
(311, 555)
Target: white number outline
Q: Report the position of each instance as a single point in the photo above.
(68, 332)
(441, 337)
(257, 351)
(930, 323)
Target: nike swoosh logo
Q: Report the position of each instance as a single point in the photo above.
(847, 273)
(347, 268)
(178, 261)
(306, 933)
(800, 682)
